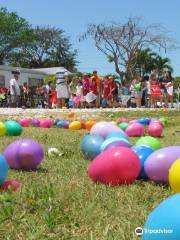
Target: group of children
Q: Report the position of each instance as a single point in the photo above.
(149, 91)
(86, 91)
(95, 91)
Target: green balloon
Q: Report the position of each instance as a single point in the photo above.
(13, 128)
(150, 142)
(163, 120)
(138, 87)
(123, 125)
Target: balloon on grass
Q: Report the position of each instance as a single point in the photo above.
(24, 154)
(91, 146)
(13, 128)
(115, 166)
(157, 165)
(149, 141)
(163, 221)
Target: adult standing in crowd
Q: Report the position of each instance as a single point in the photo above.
(15, 89)
(62, 87)
(99, 87)
(169, 85)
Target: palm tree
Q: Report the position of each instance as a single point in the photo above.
(161, 63)
(145, 60)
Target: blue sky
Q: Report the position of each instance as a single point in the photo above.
(74, 15)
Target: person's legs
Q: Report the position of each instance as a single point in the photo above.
(13, 101)
(138, 102)
(63, 102)
(171, 100)
(59, 103)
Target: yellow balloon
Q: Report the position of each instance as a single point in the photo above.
(174, 176)
(114, 123)
(3, 129)
(75, 125)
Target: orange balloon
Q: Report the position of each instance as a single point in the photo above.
(89, 124)
(71, 114)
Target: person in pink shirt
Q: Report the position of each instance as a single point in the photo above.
(86, 84)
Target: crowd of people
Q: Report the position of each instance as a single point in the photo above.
(91, 91)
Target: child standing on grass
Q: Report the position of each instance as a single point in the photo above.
(79, 99)
(91, 97)
(136, 91)
(53, 96)
(155, 90)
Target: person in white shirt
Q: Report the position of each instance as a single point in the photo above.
(15, 89)
(62, 88)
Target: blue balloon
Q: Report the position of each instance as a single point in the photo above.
(143, 153)
(90, 146)
(163, 222)
(3, 169)
(118, 135)
(144, 121)
(115, 142)
(60, 124)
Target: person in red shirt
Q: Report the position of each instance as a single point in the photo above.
(86, 84)
(155, 90)
(107, 92)
(53, 96)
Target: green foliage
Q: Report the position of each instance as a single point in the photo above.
(51, 78)
(14, 32)
(22, 45)
(147, 60)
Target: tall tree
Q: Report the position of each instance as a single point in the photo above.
(48, 47)
(14, 31)
(161, 63)
(121, 42)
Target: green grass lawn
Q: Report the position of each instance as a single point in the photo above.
(59, 201)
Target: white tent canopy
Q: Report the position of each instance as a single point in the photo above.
(52, 70)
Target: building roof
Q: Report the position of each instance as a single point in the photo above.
(52, 70)
(24, 70)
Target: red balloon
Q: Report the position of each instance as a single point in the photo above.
(15, 185)
(115, 166)
(155, 129)
(24, 122)
(135, 130)
(46, 123)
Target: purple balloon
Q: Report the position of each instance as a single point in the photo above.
(103, 129)
(24, 154)
(35, 122)
(65, 124)
(157, 165)
(55, 121)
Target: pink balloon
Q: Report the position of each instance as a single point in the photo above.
(46, 123)
(24, 122)
(157, 121)
(135, 130)
(103, 129)
(122, 120)
(115, 166)
(133, 121)
(155, 129)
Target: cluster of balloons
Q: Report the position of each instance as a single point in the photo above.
(47, 123)
(112, 155)
(114, 161)
(136, 127)
(10, 128)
